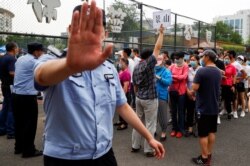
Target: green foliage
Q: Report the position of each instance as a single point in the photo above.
(236, 48)
(248, 41)
(225, 33)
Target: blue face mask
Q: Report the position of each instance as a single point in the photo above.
(178, 61)
(202, 63)
(157, 67)
(193, 63)
(226, 62)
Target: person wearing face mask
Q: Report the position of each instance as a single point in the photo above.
(206, 88)
(163, 81)
(246, 85)
(228, 82)
(241, 87)
(241, 74)
(177, 93)
(194, 67)
(125, 78)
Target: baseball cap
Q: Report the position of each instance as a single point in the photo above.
(241, 57)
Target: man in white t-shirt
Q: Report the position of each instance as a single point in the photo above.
(135, 56)
(241, 75)
(246, 67)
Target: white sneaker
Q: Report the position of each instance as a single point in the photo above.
(242, 114)
(235, 114)
(246, 111)
(218, 120)
(223, 112)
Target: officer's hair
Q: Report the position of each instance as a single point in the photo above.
(125, 61)
(10, 46)
(79, 9)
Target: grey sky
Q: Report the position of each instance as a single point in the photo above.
(26, 22)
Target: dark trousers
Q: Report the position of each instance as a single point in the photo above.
(107, 160)
(178, 112)
(132, 93)
(228, 97)
(6, 115)
(128, 100)
(25, 114)
(190, 112)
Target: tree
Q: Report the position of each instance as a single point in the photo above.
(226, 33)
(248, 41)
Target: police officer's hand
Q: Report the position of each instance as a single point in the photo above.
(85, 40)
(158, 147)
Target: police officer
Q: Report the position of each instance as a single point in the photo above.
(82, 92)
(25, 102)
(7, 72)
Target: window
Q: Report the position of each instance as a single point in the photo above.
(237, 24)
(241, 25)
(231, 24)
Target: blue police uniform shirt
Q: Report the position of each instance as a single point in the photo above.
(79, 113)
(24, 75)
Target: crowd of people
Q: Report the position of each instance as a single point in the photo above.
(176, 73)
(169, 81)
(83, 90)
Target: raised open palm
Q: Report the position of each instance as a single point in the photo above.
(85, 41)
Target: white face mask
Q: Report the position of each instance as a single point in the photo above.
(240, 61)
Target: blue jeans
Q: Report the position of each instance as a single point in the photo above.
(178, 113)
(6, 116)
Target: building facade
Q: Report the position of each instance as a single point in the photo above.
(6, 20)
(240, 22)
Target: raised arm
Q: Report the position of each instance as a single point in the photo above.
(84, 48)
(159, 42)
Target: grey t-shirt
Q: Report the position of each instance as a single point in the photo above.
(207, 97)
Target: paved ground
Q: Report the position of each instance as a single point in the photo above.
(232, 148)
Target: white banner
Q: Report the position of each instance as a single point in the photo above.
(162, 17)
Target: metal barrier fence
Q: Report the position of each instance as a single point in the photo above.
(137, 30)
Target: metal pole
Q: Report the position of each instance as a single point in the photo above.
(215, 39)
(199, 33)
(175, 32)
(141, 22)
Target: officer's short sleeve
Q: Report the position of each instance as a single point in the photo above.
(39, 62)
(120, 95)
